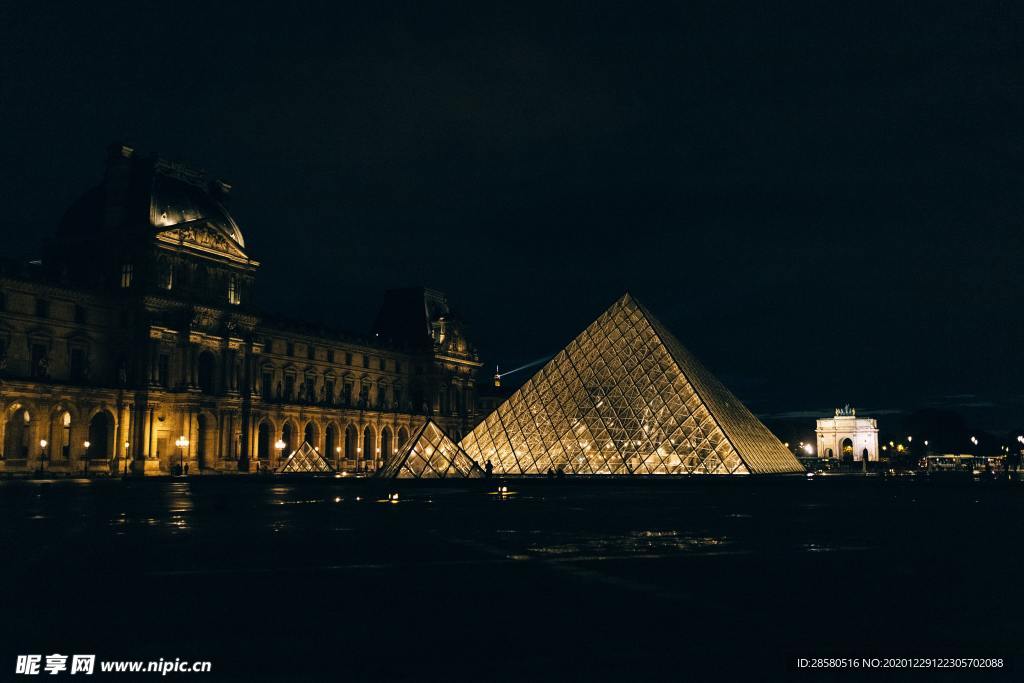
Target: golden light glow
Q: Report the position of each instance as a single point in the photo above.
(625, 397)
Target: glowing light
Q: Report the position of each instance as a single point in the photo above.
(498, 376)
(42, 443)
(808, 449)
(279, 444)
(86, 444)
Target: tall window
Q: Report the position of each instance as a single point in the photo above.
(233, 296)
(330, 355)
(126, 275)
(40, 361)
(65, 441)
(290, 349)
(310, 351)
(77, 364)
(42, 308)
(329, 391)
(366, 361)
(164, 370)
(348, 359)
(289, 387)
(206, 371)
(80, 314)
(267, 384)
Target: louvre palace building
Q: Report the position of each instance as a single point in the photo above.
(133, 346)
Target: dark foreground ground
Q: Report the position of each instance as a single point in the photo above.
(565, 580)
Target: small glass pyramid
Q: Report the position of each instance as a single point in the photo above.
(431, 454)
(625, 397)
(304, 459)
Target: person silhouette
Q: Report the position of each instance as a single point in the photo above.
(488, 468)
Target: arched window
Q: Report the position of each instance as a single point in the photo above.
(206, 371)
(385, 445)
(263, 441)
(101, 436)
(331, 442)
(351, 439)
(17, 434)
(368, 444)
(288, 436)
(403, 436)
(310, 434)
(848, 448)
(65, 435)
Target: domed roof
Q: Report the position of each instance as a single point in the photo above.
(173, 201)
(139, 192)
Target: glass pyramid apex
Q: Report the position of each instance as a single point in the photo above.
(431, 454)
(304, 459)
(625, 397)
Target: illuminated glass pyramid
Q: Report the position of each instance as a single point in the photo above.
(625, 397)
(431, 454)
(305, 459)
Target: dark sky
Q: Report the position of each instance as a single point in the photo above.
(823, 203)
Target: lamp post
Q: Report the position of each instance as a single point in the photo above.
(279, 446)
(42, 454)
(85, 457)
(182, 443)
(127, 445)
(337, 456)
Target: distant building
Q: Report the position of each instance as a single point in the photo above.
(847, 436)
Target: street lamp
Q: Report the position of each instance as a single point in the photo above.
(182, 443)
(86, 456)
(42, 454)
(127, 445)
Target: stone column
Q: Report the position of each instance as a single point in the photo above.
(3, 431)
(193, 367)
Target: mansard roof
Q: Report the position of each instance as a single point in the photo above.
(148, 196)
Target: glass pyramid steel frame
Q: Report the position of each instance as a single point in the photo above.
(431, 454)
(625, 397)
(305, 459)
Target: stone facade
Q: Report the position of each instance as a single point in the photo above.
(847, 436)
(135, 333)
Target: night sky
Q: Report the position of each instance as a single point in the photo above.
(823, 204)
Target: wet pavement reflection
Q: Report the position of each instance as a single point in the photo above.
(224, 567)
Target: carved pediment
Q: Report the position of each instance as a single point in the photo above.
(202, 236)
